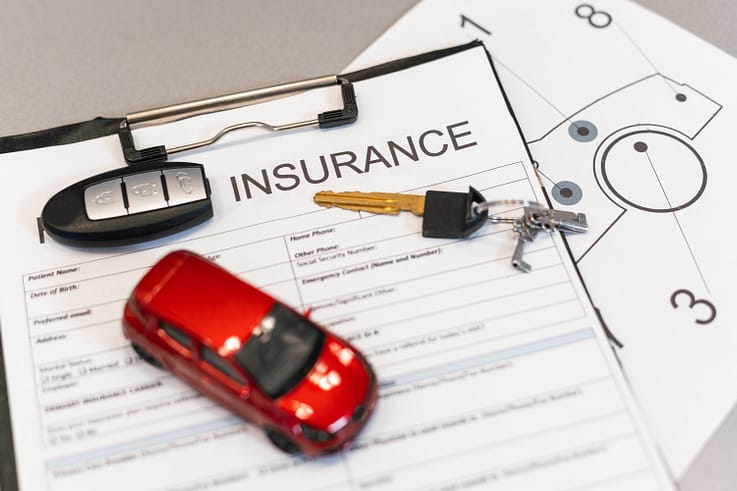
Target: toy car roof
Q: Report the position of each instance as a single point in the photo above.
(203, 300)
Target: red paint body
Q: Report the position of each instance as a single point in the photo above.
(334, 392)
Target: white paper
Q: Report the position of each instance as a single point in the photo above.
(652, 174)
(490, 378)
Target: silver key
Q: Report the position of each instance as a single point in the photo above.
(517, 260)
(535, 219)
(525, 233)
(547, 219)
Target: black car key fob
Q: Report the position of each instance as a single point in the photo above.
(129, 205)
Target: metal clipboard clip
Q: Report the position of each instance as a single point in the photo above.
(328, 119)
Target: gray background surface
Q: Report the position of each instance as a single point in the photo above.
(70, 61)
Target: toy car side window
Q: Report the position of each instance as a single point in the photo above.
(177, 335)
(221, 365)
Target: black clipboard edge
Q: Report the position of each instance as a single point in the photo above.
(614, 342)
(408, 62)
(60, 135)
(8, 477)
(100, 127)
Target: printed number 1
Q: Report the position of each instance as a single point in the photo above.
(465, 20)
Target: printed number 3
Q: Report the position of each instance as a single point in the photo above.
(692, 303)
(597, 18)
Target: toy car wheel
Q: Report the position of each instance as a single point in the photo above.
(146, 356)
(282, 442)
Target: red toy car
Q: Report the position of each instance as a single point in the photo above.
(308, 389)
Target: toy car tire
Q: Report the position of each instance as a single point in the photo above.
(146, 356)
(282, 442)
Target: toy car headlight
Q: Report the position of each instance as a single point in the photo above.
(314, 434)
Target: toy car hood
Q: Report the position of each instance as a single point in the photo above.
(335, 391)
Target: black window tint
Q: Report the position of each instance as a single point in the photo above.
(218, 362)
(177, 335)
(281, 351)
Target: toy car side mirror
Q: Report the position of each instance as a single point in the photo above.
(244, 392)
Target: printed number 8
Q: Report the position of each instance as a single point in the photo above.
(596, 18)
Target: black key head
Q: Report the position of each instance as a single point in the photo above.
(450, 215)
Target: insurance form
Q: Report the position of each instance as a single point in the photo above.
(489, 378)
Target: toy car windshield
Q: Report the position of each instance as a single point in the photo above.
(280, 351)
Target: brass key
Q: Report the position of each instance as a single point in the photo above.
(390, 203)
(445, 214)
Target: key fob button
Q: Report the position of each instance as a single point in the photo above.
(145, 192)
(104, 200)
(129, 205)
(184, 185)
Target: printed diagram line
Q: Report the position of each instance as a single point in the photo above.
(560, 186)
(678, 222)
(627, 86)
(645, 57)
(601, 236)
(533, 89)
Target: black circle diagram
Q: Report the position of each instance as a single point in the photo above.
(567, 193)
(583, 131)
(653, 170)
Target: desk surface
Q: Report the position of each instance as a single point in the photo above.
(65, 62)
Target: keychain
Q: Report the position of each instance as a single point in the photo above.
(535, 217)
(451, 215)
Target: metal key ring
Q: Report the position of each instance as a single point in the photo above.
(485, 205)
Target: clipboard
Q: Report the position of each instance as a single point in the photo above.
(132, 155)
